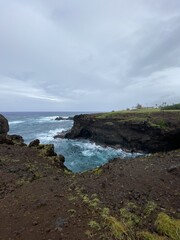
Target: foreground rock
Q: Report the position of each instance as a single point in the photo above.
(149, 131)
(4, 128)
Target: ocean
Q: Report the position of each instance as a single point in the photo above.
(80, 155)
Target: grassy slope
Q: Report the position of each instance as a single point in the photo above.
(152, 116)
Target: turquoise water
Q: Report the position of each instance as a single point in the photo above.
(80, 155)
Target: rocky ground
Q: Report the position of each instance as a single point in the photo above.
(135, 199)
(124, 199)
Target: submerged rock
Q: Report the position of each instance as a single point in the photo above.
(62, 134)
(64, 118)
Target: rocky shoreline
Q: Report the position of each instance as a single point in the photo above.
(137, 131)
(135, 199)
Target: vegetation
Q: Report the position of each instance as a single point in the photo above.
(168, 226)
(171, 107)
(125, 226)
(145, 235)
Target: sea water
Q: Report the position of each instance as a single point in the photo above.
(80, 155)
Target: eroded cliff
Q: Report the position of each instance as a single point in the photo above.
(148, 131)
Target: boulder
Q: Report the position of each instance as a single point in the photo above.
(47, 150)
(34, 143)
(15, 140)
(4, 128)
(61, 135)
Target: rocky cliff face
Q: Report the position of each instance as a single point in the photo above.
(149, 132)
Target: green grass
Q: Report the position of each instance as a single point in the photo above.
(143, 112)
(119, 113)
(145, 235)
(171, 107)
(168, 226)
(94, 224)
(116, 227)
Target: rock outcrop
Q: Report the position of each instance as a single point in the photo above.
(64, 118)
(34, 143)
(4, 128)
(15, 139)
(148, 132)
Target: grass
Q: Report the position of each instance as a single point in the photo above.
(129, 218)
(149, 208)
(116, 227)
(130, 222)
(119, 113)
(171, 107)
(145, 235)
(97, 171)
(93, 224)
(141, 112)
(168, 226)
(46, 150)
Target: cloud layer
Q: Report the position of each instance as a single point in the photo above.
(88, 55)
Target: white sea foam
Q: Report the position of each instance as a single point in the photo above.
(91, 149)
(15, 122)
(47, 119)
(51, 119)
(46, 137)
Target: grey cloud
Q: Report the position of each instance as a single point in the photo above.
(88, 55)
(160, 50)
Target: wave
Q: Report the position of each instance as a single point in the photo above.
(46, 137)
(15, 122)
(92, 149)
(46, 119)
(52, 119)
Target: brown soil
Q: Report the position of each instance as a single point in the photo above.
(41, 201)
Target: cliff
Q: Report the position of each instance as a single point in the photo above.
(141, 130)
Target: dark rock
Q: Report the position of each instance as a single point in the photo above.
(61, 135)
(59, 118)
(60, 223)
(34, 223)
(47, 150)
(64, 118)
(16, 139)
(4, 126)
(174, 170)
(34, 143)
(58, 161)
(159, 132)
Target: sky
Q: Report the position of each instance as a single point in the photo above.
(88, 55)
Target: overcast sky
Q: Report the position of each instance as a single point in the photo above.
(88, 55)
